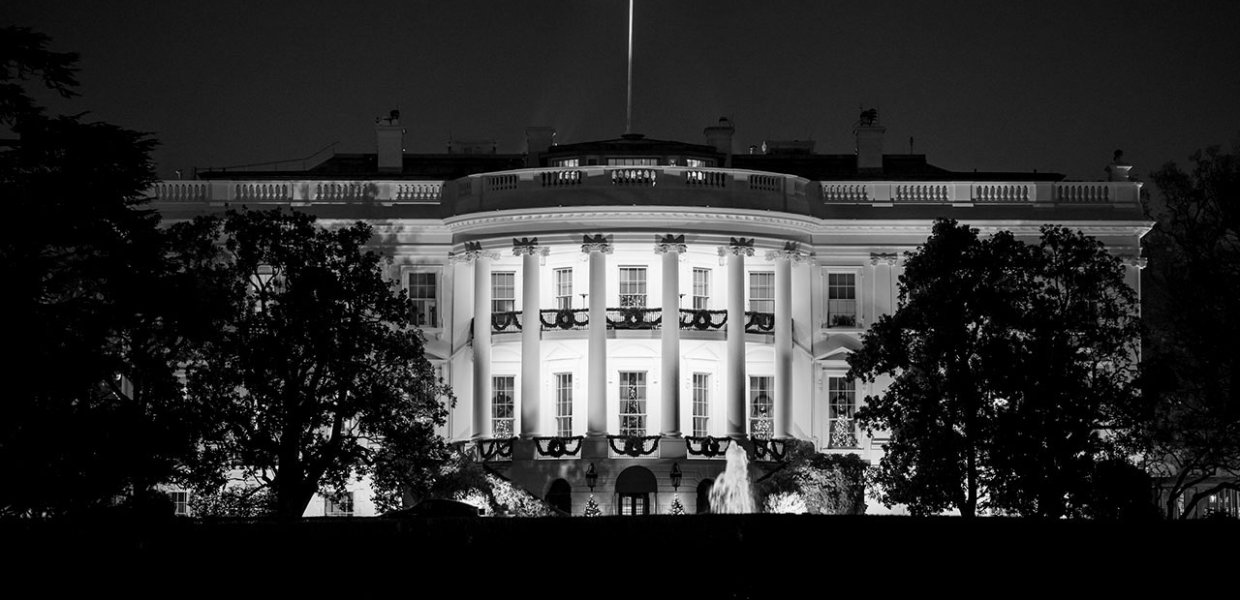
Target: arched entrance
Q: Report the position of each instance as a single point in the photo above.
(634, 488)
(703, 495)
(560, 495)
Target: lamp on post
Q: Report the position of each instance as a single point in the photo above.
(676, 476)
(583, 301)
(591, 477)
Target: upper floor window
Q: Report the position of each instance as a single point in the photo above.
(698, 163)
(424, 293)
(563, 288)
(761, 408)
(567, 162)
(841, 406)
(503, 406)
(633, 403)
(503, 292)
(632, 286)
(841, 299)
(701, 289)
(762, 291)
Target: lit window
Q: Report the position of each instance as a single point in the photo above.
(841, 300)
(180, 503)
(563, 288)
(761, 408)
(696, 163)
(339, 505)
(701, 289)
(502, 406)
(503, 292)
(633, 162)
(762, 292)
(632, 287)
(632, 403)
(842, 405)
(701, 404)
(567, 162)
(634, 504)
(564, 404)
(424, 293)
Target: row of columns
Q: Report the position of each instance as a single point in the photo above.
(597, 248)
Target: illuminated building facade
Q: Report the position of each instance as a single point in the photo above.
(612, 315)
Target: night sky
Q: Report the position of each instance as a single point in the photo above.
(993, 86)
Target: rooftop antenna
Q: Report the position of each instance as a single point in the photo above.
(628, 116)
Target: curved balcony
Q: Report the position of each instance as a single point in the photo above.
(631, 318)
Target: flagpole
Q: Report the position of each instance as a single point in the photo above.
(628, 117)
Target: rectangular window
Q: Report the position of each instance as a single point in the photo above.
(841, 299)
(563, 288)
(761, 408)
(503, 292)
(180, 503)
(698, 163)
(502, 406)
(762, 291)
(567, 162)
(701, 289)
(564, 404)
(701, 404)
(842, 405)
(632, 287)
(633, 162)
(339, 505)
(632, 403)
(424, 293)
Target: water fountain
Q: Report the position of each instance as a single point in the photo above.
(731, 493)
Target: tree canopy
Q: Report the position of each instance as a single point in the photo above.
(91, 411)
(1191, 375)
(1011, 362)
(318, 364)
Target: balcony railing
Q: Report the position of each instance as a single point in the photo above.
(654, 185)
(979, 192)
(631, 319)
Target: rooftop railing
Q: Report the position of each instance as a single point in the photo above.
(662, 185)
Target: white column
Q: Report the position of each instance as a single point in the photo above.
(671, 248)
(597, 247)
(482, 336)
(531, 330)
(884, 289)
(734, 364)
(783, 335)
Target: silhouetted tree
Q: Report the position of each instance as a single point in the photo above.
(1009, 364)
(318, 364)
(91, 409)
(1192, 308)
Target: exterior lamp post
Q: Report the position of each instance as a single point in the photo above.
(676, 476)
(591, 477)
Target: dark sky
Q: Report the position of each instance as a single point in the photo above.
(994, 86)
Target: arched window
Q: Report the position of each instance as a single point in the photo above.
(703, 495)
(560, 495)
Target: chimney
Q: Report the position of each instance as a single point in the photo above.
(390, 143)
(538, 140)
(720, 136)
(869, 142)
(1119, 168)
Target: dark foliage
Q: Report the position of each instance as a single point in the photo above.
(317, 365)
(1012, 366)
(1191, 373)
